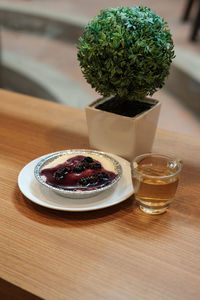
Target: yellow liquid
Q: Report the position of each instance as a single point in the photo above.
(155, 192)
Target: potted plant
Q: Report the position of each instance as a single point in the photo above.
(125, 54)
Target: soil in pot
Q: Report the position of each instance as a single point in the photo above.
(124, 107)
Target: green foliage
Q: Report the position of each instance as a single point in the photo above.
(126, 52)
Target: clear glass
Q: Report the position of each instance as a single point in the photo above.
(155, 180)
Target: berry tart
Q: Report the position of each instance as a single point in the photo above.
(78, 173)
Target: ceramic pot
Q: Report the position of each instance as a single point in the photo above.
(124, 136)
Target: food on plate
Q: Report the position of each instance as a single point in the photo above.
(79, 172)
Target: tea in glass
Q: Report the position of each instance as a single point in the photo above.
(155, 180)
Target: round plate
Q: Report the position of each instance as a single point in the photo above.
(43, 196)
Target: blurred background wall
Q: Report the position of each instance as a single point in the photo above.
(38, 54)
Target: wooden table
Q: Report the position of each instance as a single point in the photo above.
(114, 253)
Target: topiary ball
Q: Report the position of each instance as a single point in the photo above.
(126, 52)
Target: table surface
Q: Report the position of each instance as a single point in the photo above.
(114, 253)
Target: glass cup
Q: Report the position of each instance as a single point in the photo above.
(155, 180)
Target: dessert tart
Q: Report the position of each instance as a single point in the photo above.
(78, 173)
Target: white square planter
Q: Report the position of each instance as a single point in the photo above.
(124, 136)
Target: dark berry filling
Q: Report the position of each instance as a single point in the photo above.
(88, 159)
(61, 172)
(96, 166)
(77, 173)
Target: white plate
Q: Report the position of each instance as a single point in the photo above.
(44, 197)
